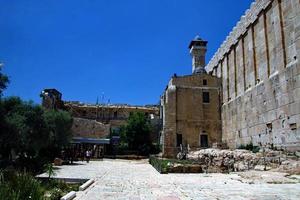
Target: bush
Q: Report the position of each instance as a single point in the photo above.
(57, 188)
(249, 147)
(159, 164)
(6, 193)
(20, 187)
(35, 135)
(56, 194)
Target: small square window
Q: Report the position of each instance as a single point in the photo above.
(205, 97)
(204, 82)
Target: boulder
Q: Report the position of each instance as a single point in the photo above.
(58, 162)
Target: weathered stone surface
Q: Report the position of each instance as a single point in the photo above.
(215, 160)
(97, 120)
(58, 162)
(185, 113)
(90, 128)
(289, 166)
(139, 180)
(261, 105)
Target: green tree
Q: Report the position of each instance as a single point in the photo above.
(25, 130)
(136, 133)
(29, 131)
(3, 80)
(36, 135)
(11, 126)
(59, 124)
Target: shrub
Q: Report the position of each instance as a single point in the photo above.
(6, 193)
(27, 187)
(159, 164)
(249, 147)
(56, 194)
(20, 187)
(49, 170)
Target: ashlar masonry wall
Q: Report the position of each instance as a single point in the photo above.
(259, 66)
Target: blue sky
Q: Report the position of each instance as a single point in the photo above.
(124, 49)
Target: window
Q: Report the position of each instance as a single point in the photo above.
(179, 139)
(205, 97)
(204, 82)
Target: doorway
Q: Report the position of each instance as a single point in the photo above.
(204, 141)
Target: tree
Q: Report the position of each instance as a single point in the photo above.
(29, 131)
(136, 133)
(25, 131)
(3, 80)
(10, 127)
(34, 134)
(59, 125)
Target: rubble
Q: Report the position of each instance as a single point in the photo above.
(225, 161)
(215, 160)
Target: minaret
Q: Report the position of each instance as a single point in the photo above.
(197, 50)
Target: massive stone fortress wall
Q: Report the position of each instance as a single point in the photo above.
(259, 66)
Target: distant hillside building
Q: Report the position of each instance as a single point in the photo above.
(190, 107)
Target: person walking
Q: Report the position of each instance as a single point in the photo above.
(88, 155)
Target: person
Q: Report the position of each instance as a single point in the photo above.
(88, 155)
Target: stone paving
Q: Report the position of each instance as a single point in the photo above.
(135, 180)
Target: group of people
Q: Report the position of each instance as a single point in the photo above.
(71, 154)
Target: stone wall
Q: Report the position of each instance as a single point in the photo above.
(90, 128)
(107, 113)
(259, 66)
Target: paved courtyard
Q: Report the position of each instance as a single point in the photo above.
(134, 180)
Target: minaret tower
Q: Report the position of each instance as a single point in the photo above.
(198, 50)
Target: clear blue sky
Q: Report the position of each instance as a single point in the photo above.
(126, 49)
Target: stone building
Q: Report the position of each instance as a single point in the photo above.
(190, 107)
(51, 99)
(101, 120)
(93, 124)
(259, 66)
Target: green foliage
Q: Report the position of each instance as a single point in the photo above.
(34, 134)
(21, 187)
(160, 165)
(57, 188)
(3, 81)
(250, 147)
(59, 124)
(136, 133)
(6, 193)
(49, 170)
(55, 194)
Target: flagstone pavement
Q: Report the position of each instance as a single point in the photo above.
(137, 180)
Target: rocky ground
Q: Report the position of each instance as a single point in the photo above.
(224, 161)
